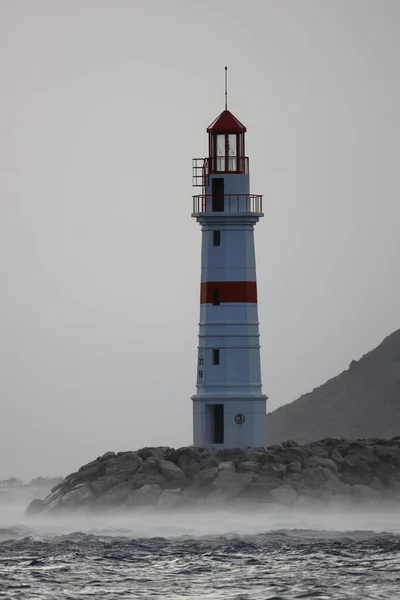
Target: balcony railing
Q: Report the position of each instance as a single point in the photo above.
(200, 172)
(202, 167)
(228, 203)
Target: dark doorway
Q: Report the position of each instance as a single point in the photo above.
(217, 430)
(216, 238)
(217, 189)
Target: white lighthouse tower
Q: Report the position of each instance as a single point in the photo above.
(229, 408)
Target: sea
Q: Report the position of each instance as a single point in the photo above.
(262, 553)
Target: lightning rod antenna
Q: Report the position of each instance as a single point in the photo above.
(226, 88)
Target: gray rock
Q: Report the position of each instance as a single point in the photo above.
(327, 463)
(206, 476)
(229, 484)
(274, 469)
(103, 484)
(290, 444)
(157, 452)
(195, 494)
(170, 499)
(336, 487)
(235, 455)
(355, 462)
(294, 467)
(254, 455)
(284, 494)
(150, 466)
(208, 460)
(364, 453)
(298, 481)
(264, 485)
(294, 454)
(318, 475)
(365, 493)
(386, 453)
(272, 457)
(337, 457)
(170, 470)
(226, 466)
(189, 466)
(147, 495)
(317, 449)
(249, 465)
(126, 464)
(151, 478)
(36, 507)
(79, 496)
(116, 496)
(172, 484)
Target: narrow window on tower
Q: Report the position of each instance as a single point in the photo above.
(215, 356)
(217, 238)
(216, 297)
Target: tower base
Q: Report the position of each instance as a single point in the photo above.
(229, 422)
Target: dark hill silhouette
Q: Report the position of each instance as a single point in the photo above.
(362, 402)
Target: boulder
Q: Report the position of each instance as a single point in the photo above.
(116, 496)
(249, 465)
(170, 470)
(262, 486)
(364, 453)
(387, 453)
(318, 475)
(170, 499)
(124, 465)
(189, 466)
(294, 454)
(362, 492)
(226, 466)
(274, 469)
(206, 476)
(290, 444)
(317, 449)
(254, 455)
(157, 452)
(284, 494)
(150, 478)
(294, 467)
(229, 484)
(317, 461)
(80, 496)
(235, 455)
(272, 457)
(103, 484)
(36, 507)
(147, 495)
(172, 484)
(337, 457)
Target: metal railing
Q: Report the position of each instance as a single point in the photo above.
(228, 203)
(200, 172)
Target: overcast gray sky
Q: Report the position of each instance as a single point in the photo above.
(103, 105)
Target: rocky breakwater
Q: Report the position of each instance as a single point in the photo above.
(328, 472)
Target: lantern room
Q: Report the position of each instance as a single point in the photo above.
(226, 149)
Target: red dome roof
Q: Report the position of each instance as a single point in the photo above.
(226, 123)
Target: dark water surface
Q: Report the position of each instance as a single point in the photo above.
(279, 563)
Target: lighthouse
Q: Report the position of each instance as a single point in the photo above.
(229, 408)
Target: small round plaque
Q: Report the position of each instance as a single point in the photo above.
(240, 418)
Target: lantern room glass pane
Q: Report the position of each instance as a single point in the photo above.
(232, 152)
(220, 158)
(232, 147)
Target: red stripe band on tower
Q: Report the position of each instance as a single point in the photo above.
(218, 292)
